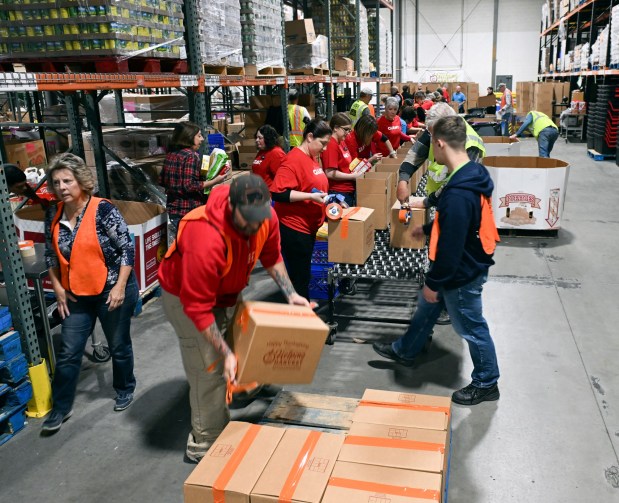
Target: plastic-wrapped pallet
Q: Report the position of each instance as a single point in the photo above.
(614, 36)
(603, 37)
(364, 37)
(599, 48)
(584, 57)
(385, 40)
(220, 32)
(308, 55)
(261, 25)
(113, 28)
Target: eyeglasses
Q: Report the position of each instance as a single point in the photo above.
(346, 129)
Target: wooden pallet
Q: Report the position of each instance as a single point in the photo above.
(97, 64)
(365, 75)
(308, 71)
(322, 412)
(596, 156)
(223, 70)
(386, 75)
(270, 71)
(341, 73)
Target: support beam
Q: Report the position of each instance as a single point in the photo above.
(495, 30)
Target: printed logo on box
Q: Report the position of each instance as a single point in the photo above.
(318, 465)
(522, 213)
(407, 398)
(379, 498)
(398, 433)
(221, 450)
(285, 354)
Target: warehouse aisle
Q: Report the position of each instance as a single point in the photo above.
(552, 437)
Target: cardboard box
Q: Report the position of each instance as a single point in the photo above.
(343, 64)
(300, 467)
(501, 145)
(390, 165)
(236, 127)
(229, 467)
(400, 234)
(147, 225)
(27, 154)
(351, 239)
(529, 192)
(486, 101)
(300, 31)
(578, 96)
(247, 155)
(397, 447)
(277, 343)
(361, 483)
(404, 409)
(374, 190)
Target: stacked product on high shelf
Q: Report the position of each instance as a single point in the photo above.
(15, 388)
(614, 37)
(74, 28)
(604, 121)
(305, 50)
(220, 32)
(599, 49)
(261, 25)
(385, 40)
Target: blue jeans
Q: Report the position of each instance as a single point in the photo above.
(505, 122)
(76, 329)
(546, 140)
(465, 309)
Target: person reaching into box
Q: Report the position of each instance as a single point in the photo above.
(389, 124)
(361, 138)
(202, 276)
(270, 154)
(542, 128)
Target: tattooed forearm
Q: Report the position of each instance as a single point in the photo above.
(213, 335)
(280, 275)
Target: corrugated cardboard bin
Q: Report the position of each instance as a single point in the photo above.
(26, 154)
(361, 483)
(351, 239)
(300, 467)
(374, 191)
(277, 343)
(400, 234)
(501, 145)
(233, 464)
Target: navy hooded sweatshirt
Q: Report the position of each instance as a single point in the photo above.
(460, 257)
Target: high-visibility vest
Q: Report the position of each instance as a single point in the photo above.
(356, 111)
(504, 98)
(85, 273)
(297, 126)
(372, 111)
(256, 242)
(437, 173)
(487, 232)
(540, 121)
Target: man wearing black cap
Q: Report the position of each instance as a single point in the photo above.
(202, 275)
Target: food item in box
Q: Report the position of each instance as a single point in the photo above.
(360, 165)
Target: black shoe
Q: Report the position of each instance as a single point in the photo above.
(54, 421)
(472, 395)
(386, 351)
(443, 318)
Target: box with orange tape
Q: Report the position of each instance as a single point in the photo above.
(299, 469)
(400, 232)
(351, 239)
(233, 464)
(277, 343)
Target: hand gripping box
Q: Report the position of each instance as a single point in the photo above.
(299, 469)
(374, 191)
(233, 464)
(351, 239)
(363, 483)
(277, 343)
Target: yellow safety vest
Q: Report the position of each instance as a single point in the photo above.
(540, 122)
(437, 173)
(356, 111)
(297, 126)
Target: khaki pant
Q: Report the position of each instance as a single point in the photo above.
(207, 390)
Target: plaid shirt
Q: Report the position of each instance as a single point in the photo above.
(181, 178)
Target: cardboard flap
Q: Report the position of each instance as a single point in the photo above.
(358, 213)
(499, 139)
(523, 162)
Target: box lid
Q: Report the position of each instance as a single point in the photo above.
(509, 161)
(300, 466)
(499, 139)
(271, 314)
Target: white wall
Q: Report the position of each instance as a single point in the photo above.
(455, 40)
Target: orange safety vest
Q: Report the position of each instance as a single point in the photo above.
(487, 232)
(87, 274)
(256, 244)
(372, 111)
(504, 97)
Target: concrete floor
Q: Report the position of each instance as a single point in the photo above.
(552, 437)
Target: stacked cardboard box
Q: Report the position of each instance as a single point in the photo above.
(374, 190)
(25, 154)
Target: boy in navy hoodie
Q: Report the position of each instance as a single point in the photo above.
(462, 240)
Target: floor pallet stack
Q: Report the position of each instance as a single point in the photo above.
(15, 388)
(604, 121)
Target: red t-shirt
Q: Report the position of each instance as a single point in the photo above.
(300, 172)
(267, 163)
(352, 142)
(427, 104)
(337, 156)
(393, 131)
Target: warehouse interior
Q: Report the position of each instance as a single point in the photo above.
(114, 98)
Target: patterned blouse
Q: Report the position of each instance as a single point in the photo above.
(112, 233)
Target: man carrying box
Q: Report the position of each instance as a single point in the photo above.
(462, 241)
(202, 275)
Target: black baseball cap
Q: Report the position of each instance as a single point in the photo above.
(250, 194)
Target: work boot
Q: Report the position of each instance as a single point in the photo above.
(386, 351)
(195, 451)
(443, 318)
(472, 395)
(54, 421)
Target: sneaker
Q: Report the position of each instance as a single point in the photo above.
(386, 351)
(123, 401)
(472, 395)
(443, 318)
(195, 451)
(54, 421)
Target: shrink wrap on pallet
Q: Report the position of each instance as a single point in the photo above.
(308, 55)
(220, 32)
(261, 28)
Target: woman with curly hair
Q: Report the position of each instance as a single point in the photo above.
(270, 154)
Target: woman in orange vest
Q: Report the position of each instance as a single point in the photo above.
(90, 256)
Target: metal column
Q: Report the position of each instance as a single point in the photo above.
(200, 114)
(120, 108)
(72, 103)
(91, 104)
(283, 90)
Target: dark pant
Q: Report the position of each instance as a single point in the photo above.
(546, 140)
(77, 327)
(297, 249)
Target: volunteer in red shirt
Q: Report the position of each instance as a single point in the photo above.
(202, 275)
(299, 190)
(390, 125)
(336, 160)
(359, 141)
(270, 154)
(409, 115)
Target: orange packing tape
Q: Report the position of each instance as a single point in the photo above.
(334, 211)
(375, 487)
(406, 406)
(345, 218)
(231, 389)
(244, 318)
(219, 487)
(394, 443)
(287, 492)
(404, 216)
